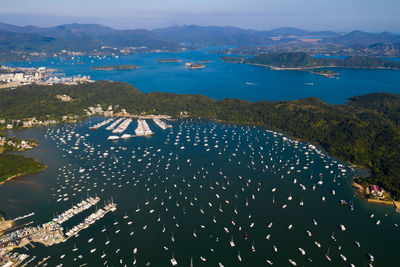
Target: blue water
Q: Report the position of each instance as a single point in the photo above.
(226, 80)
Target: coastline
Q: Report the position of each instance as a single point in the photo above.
(23, 174)
(316, 67)
(360, 192)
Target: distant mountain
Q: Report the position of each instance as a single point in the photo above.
(363, 38)
(212, 35)
(289, 31)
(77, 37)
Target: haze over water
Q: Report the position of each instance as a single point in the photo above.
(190, 190)
(226, 80)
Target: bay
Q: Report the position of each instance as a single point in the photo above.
(221, 80)
(166, 180)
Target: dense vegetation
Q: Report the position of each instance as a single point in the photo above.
(364, 131)
(16, 165)
(303, 60)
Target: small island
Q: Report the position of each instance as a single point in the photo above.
(168, 60)
(326, 73)
(191, 65)
(116, 67)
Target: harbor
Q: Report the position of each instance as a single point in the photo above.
(47, 234)
(200, 193)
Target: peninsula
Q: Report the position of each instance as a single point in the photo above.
(304, 61)
(116, 67)
(12, 166)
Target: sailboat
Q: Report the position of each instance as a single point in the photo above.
(327, 256)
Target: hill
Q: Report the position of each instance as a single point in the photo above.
(290, 31)
(75, 37)
(364, 131)
(212, 35)
(363, 38)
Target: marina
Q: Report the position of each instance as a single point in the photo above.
(50, 233)
(200, 193)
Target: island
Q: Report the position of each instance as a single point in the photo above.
(169, 60)
(325, 73)
(116, 67)
(363, 131)
(191, 65)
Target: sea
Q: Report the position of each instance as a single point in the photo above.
(202, 192)
(221, 80)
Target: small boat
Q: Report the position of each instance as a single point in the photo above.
(173, 261)
(302, 251)
(292, 262)
(371, 257)
(327, 256)
(239, 257)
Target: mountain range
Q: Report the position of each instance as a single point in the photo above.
(77, 37)
(16, 40)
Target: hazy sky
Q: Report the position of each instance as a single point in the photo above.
(339, 15)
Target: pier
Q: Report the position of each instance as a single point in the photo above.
(101, 124)
(143, 128)
(122, 127)
(78, 208)
(112, 126)
(161, 123)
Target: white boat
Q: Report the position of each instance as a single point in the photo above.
(173, 261)
(113, 137)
